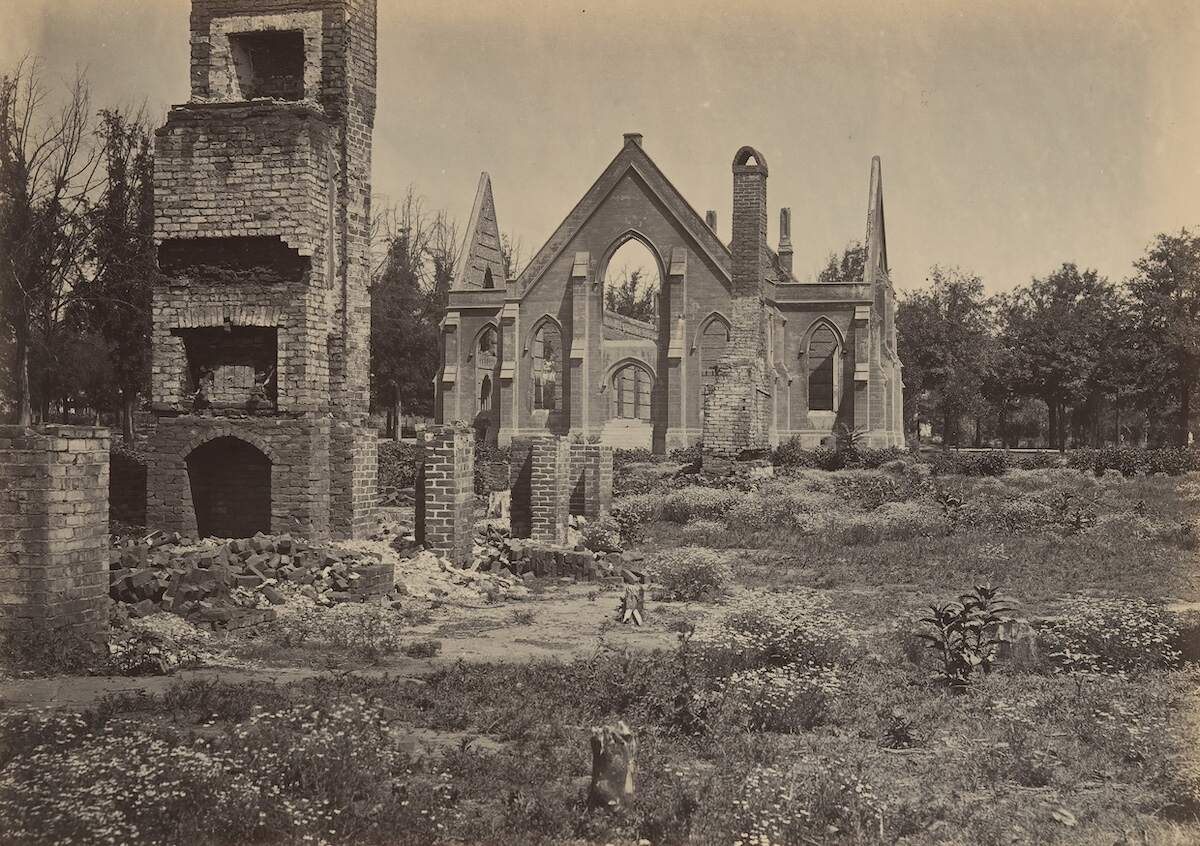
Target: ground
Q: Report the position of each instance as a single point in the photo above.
(789, 702)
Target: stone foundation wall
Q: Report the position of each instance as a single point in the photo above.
(591, 480)
(446, 493)
(550, 490)
(54, 528)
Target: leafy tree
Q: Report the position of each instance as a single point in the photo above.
(1059, 327)
(944, 331)
(632, 294)
(114, 300)
(405, 312)
(48, 172)
(1165, 326)
(845, 268)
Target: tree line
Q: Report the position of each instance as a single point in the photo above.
(1069, 359)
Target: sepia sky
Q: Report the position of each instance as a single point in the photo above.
(1014, 135)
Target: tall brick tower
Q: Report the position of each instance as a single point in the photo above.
(260, 376)
(737, 408)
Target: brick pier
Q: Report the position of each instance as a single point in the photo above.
(54, 529)
(446, 492)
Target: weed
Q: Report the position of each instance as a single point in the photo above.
(963, 635)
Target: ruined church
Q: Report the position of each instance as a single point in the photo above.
(740, 355)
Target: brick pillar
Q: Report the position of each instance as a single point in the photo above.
(591, 480)
(520, 470)
(354, 475)
(550, 490)
(446, 492)
(54, 528)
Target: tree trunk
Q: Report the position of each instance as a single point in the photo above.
(128, 402)
(24, 404)
(1185, 411)
(978, 439)
(947, 420)
(1052, 437)
(1117, 418)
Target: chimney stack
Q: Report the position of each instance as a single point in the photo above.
(785, 241)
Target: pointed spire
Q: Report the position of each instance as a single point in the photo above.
(481, 263)
(876, 265)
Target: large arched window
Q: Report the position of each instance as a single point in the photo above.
(631, 393)
(713, 341)
(823, 351)
(631, 282)
(547, 366)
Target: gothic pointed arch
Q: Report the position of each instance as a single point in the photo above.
(547, 358)
(630, 382)
(822, 352)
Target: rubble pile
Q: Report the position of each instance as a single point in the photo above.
(230, 584)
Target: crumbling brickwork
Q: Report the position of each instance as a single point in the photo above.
(591, 480)
(261, 324)
(446, 492)
(550, 490)
(54, 528)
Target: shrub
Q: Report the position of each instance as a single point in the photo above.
(1041, 460)
(779, 699)
(603, 535)
(992, 462)
(697, 502)
(624, 457)
(791, 454)
(633, 512)
(367, 631)
(1111, 636)
(398, 464)
(873, 459)
(776, 505)
(1134, 461)
(774, 630)
(690, 573)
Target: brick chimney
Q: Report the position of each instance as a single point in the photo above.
(785, 240)
(736, 408)
(749, 247)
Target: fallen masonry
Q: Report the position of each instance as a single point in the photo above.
(232, 584)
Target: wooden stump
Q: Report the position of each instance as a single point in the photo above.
(614, 754)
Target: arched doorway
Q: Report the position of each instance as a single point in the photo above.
(231, 488)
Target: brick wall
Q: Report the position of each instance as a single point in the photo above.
(54, 528)
(591, 480)
(550, 490)
(520, 478)
(446, 492)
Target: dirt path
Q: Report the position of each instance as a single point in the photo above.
(566, 621)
